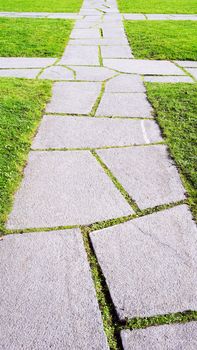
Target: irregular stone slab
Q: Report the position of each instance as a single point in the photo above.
(147, 174)
(183, 17)
(173, 337)
(125, 83)
(57, 73)
(85, 33)
(151, 67)
(168, 79)
(25, 62)
(116, 52)
(189, 64)
(101, 41)
(73, 97)
(48, 298)
(65, 188)
(124, 105)
(93, 73)
(79, 132)
(19, 73)
(65, 15)
(158, 16)
(192, 71)
(133, 16)
(114, 33)
(150, 263)
(80, 55)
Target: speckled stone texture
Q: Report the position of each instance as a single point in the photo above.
(150, 263)
(48, 299)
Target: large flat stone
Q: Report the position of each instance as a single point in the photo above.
(25, 62)
(133, 16)
(189, 64)
(124, 105)
(82, 132)
(150, 263)
(125, 83)
(73, 97)
(173, 337)
(151, 67)
(57, 73)
(93, 73)
(116, 52)
(85, 33)
(65, 188)
(192, 71)
(147, 174)
(101, 41)
(47, 296)
(80, 55)
(19, 73)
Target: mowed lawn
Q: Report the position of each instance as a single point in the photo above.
(175, 108)
(157, 6)
(33, 37)
(40, 5)
(172, 40)
(22, 103)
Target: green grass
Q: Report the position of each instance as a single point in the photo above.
(158, 6)
(21, 105)
(172, 40)
(175, 107)
(40, 5)
(32, 37)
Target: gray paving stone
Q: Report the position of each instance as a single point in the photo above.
(19, 73)
(158, 16)
(85, 33)
(168, 79)
(192, 71)
(25, 62)
(133, 16)
(65, 188)
(114, 33)
(48, 298)
(116, 52)
(125, 83)
(173, 337)
(101, 42)
(189, 64)
(147, 174)
(124, 105)
(57, 73)
(183, 17)
(73, 97)
(65, 15)
(150, 263)
(151, 67)
(93, 73)
(79, 132)
(80, 55)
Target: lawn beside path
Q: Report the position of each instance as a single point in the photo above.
(175, 108)
(158, 6)
(22, 103)
(170, 40)
(40, 5)
(33, 37)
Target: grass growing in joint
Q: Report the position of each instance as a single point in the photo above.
(33, 37)
(175, 108)
(109, 317)
(21, 105)
(179, 317)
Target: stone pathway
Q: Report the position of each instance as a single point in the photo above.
(103, 9)
(98, 155)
